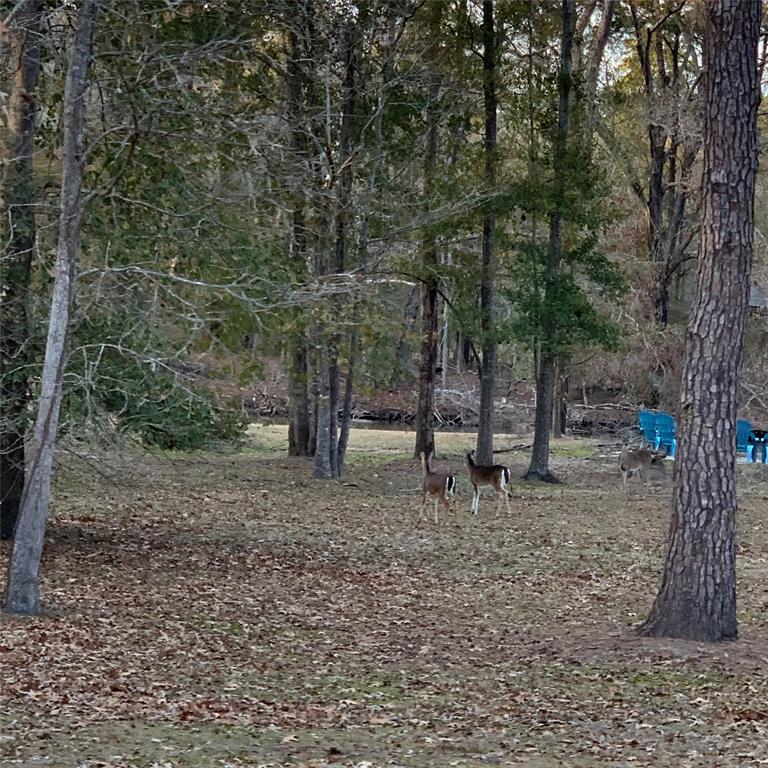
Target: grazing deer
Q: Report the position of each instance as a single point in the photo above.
(639, 460)
(439, 485)
(496, 476)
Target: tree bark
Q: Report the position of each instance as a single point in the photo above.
(23, 591)
(560, 399)
(404, 351)
(697, 598)
(323, 467)
(545, 380)
(484, 451)
(21, 41)
(425, 408)
(298, 396)
(346, 410)
(298, 399)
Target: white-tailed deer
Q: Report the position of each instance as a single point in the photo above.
(439, 485)
(496, 476)
(639, 460)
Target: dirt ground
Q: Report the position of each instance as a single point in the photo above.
(228, 610)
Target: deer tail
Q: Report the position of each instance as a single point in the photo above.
(424, 464)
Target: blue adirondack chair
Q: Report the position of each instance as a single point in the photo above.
(748, 443)
(658, 429)
(666, 433)
(647, 421)
(743, 428)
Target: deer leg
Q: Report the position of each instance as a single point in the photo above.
(423, 502)
(437, 500)
(475, 499)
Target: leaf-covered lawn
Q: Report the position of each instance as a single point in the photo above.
(231, 611)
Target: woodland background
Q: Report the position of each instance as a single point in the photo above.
(284, 200)
(436, 210)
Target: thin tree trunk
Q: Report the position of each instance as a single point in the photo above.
(425, 407)
(314, 404)
(21, 41)
(484, 453)
(23, 592)
(346, 411)
(298, 397)
(334, 377)
(322, 460)
(697, 598)
(560, 399)
(545, 381)
(425, 410)
(343, 209)
(404, 350)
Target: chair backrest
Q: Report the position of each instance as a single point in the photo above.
(743, 428)
(647, 420)
(666, 429)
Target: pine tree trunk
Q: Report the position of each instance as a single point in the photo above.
(23, 591)
(697, 598)
(21, 40)
(484, 452)
(545, 381)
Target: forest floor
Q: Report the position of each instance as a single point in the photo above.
(227, 610)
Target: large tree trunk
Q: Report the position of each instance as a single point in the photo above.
(23, 593)
(545, 380)
(697, 598)
(484, 453)
(21, 58)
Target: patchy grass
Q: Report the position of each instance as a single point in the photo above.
(229, 610)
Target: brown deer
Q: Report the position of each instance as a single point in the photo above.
(496, 476)
(639, 459)
(439, 485)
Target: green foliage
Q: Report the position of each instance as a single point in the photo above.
(165, 415)
(148, 400)
(568, 308)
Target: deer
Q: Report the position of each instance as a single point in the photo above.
(497, 476)
(639, 460)
(439, 485)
